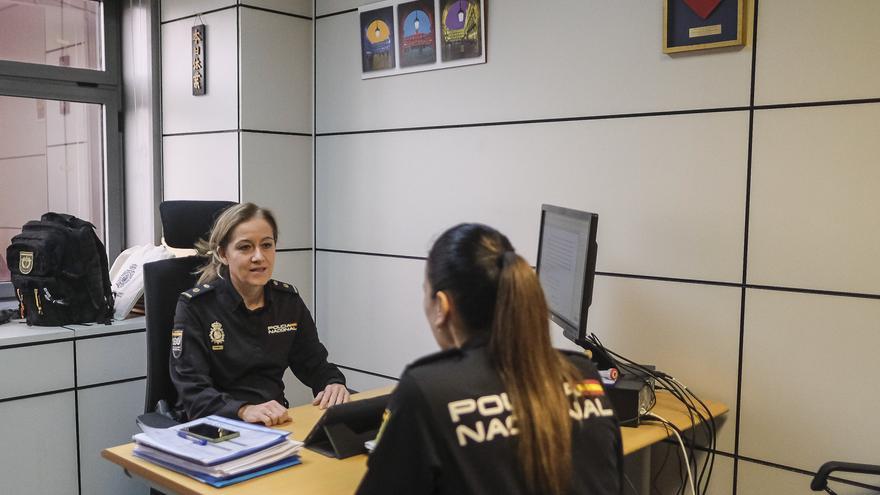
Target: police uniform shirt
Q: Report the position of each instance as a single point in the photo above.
(448, 430)
(224, 355)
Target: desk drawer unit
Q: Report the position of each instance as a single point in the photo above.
(35, 369)
(38, 438)
(109, 359)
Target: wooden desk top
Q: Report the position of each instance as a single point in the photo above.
(319, 474)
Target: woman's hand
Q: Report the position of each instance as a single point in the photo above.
(269, 413)
(333, 394)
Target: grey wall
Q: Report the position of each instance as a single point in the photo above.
(736, 190)
(250, 137)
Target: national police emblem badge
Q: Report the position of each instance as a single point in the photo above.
(25, 262)
(217, 336)
(176, 343)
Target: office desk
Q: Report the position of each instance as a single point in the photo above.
(323, 475)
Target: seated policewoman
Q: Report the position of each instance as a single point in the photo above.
(237, 331)
(498, 410)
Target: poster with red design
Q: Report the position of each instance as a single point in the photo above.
(415, 30)
(701, 24)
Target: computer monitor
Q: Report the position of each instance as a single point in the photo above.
(566, 267)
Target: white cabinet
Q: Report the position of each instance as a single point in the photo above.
(38, 452)
(66, 393)
(106, 419)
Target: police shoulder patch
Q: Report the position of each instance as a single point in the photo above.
(435, 357)
(283, 286)
(197, 291)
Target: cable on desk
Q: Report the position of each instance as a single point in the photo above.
(681, 443)
(684, 395)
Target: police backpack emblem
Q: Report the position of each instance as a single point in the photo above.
(25, 262)
(217, 336)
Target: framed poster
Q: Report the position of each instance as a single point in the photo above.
(422, 35)
(415, 30)
(700, 24)
(377, 40)
(462, 29)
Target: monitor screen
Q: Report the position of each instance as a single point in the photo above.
(566, 266)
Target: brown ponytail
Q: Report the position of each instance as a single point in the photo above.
(496, 291)
(533, 373)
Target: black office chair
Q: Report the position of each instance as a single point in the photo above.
(820, 480)
(183, 223)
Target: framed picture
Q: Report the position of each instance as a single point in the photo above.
(700, 24)
(415, 30)
(377, 40)
(404, 36)
(462, 29)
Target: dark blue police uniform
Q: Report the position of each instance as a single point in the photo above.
(224, 355)
(449, 430)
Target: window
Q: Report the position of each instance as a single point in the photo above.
(64, 33)
(60, 142)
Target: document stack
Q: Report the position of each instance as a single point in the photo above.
(254, 451)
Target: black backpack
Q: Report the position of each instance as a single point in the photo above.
(59, 271)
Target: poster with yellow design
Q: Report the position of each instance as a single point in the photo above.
(377, 39)
(405, 36)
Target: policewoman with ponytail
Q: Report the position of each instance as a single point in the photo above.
(237, 330)
(498, 410)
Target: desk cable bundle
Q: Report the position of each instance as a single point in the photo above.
(698, 412)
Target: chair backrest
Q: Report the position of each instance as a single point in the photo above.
(183, 223)
(164, 280)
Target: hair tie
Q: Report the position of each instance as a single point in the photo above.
(507, 258)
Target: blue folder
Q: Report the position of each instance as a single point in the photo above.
(221, 482)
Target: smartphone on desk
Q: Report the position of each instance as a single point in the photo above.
(209, 432)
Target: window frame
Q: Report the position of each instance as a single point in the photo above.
(103, 87)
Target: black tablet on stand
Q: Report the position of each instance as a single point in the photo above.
(343, 429)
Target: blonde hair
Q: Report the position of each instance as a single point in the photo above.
(221, 232)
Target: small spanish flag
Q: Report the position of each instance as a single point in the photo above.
(590, 388)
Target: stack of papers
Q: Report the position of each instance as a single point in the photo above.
(257, 450)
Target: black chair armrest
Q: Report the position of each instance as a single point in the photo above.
(820, 480)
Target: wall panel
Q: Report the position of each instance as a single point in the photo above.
(276, 72)
(277, 174)
(202, 166)
(297, 7)
(669, 192)
(690, 331)
(173, 9)
(296, 268)
(815, 50)
(758, 478)
(217, 109)
(814, 199)
(807, 363)
(370, 311)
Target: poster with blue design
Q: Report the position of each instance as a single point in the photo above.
(418, 40)
(377, 39)
(404, 36)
